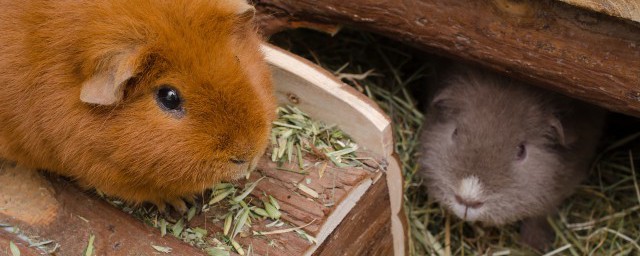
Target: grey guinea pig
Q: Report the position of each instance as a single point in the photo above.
(495, 150)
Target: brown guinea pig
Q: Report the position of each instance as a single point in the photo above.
(144, 100)
(495, 150)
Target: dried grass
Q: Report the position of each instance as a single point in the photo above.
(294, 136)
(602, 218)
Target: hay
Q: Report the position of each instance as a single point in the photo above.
(602, 218)
(237, 211)
(294, 136)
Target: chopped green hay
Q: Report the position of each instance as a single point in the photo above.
(294, 135)
(15, 251)
(223, 196)
(602, 218)
(191, 213)
(237, 247)
(88, 250)
(163, 227)
(41, 243)
(295, 131)
(287, 230)
(217, 251)
(239, 215)
(306, 236)
(45, 246)
(162, 249)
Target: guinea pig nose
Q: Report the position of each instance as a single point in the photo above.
(237, 161)
(473, 204)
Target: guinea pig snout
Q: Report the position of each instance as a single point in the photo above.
(241, 153)
(470, 192)
(468, 203)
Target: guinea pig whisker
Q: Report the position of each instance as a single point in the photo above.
(466, 210)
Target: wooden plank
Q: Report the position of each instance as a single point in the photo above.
(366, 226)
(338, 190)
(7, 237)
(595, 58)
(54, 209)
(59, 211)
(305, 85)
(625, 9)
(324, 97)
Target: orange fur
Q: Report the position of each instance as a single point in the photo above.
(133, 150)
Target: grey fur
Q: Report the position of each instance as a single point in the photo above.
(493, 115)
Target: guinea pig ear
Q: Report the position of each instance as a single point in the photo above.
(443, 108)
(557, 130)
(244, 12)
(106, 86)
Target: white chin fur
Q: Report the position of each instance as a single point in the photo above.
(470, 188)
(241, 175)
(466, 213)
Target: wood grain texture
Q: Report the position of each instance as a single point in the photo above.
(335, 188)
(366, 226)
(6, 238)
(324, 97)
(625, 9)
(77, 216)
(576, 52)
(303, 84)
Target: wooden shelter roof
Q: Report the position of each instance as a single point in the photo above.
(625, 9)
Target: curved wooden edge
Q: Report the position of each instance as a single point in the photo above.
(394, 175)
(304, 84)
(366, 229)
(316, 91)
(338, 215)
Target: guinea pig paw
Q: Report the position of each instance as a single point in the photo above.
(178, 205)
(161, 205)
(537, 234)
(191, 200)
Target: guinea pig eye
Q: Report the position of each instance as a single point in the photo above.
(454, 133)
(522, 151)
(168, 98)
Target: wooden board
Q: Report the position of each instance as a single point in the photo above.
(7, 237)
(366, 228)
(52, 208)
(595, 58)
(624, 9)
(326, 98)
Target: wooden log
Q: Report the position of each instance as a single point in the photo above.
(54, 209)
(7, 237)
(318, 202)
(624, 9)
(591, 57)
